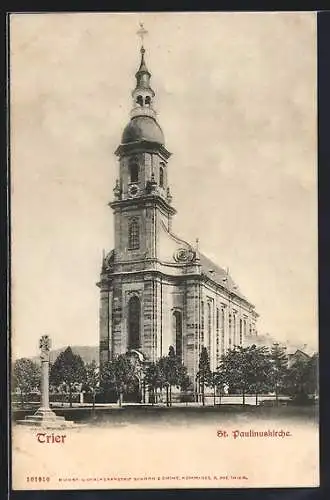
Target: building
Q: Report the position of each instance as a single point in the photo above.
(158, 290)
(298, 356)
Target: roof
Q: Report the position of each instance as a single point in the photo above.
(143, 128)
(299, 353)
(143, 67)
(219, 276)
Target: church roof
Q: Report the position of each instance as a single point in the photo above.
(219, 275)
(143, 67)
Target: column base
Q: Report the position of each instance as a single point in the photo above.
(45, 417)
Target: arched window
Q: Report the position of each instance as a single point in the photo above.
(134, 171)
(234, 329)
(229, 328)
(222, 330)
(209, 326)
(161, 176)
(139, 100)
(202, 325)
(147, 100)
(133, 235)
(134, 316)
(217, 341)
(177, 320)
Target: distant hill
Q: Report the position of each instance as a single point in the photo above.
(88, 353)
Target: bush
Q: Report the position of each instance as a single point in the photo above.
(302, 399)
(63, 397)
(272, 402)
(187, 397)
(103, 397)
(31, 397)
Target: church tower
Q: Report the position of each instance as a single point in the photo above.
(130, 302)
(142, 193)
(157, 290)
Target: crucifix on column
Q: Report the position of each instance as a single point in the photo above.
(44, 416)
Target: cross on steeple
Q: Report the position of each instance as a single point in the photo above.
(142, 32)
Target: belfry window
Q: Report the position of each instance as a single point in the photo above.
(161, 176)
(139, 100)
(147, 100)
(134, 171)
(133, 235)
(134, 315)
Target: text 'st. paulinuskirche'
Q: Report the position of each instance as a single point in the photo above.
(157, 290)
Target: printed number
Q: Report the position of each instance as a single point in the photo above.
(37, 479)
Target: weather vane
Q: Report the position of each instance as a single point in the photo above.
(142, 32)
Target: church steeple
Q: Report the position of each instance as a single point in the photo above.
(143, 158)
(143, 94)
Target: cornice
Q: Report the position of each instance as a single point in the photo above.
(194, 275)
(142, 201)
(142, 146)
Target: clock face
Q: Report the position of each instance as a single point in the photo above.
(133, 190)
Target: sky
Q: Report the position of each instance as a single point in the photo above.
(236, 99)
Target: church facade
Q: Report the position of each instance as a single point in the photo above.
(157, 290)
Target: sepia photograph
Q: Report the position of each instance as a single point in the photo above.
(164, 270)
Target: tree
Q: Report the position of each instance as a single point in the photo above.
(204, 372)
(279, 361)
(68, 369)
(92, 379)
(168, 373)
(162, 368)
(120, 374)
(172, 373)
(213, 384)
(26, 376)
(247, 369)
(301, 379)
(259, 369)
(234, 368)
(312, 382)
(154, 380)
(219, 380)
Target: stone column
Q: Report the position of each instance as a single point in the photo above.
(44, 345)
(44, 416)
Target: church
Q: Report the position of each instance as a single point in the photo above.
(156, 289)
